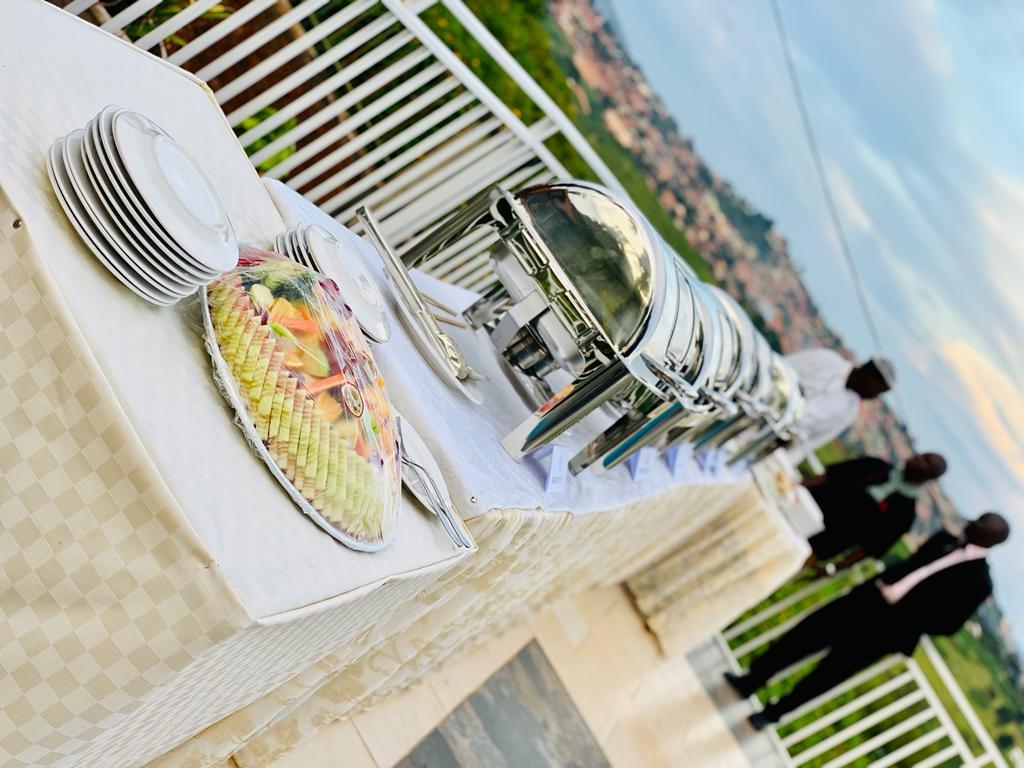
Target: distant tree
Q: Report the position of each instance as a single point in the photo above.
(1006, 715)
(1005, 742)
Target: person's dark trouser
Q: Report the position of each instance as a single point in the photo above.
(825, 545)
(854, 627)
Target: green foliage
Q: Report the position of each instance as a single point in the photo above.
(164, 11)
(981, 674)
(281, 130)
(518, 24)
(524, 28)
(830, 453)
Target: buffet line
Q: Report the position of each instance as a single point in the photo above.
(589, 312)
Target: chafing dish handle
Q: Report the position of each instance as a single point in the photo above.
(476, 212)
(567, 408)
(627, 436)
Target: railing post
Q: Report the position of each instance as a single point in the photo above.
(947, 722)
(531, 88)
(935, 659)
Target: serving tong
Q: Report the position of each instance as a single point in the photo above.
(439, 504)
(414, 301)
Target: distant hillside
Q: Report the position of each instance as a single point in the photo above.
(569, 48)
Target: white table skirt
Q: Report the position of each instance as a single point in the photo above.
(157, 578)
(148, 558)
(528, 559)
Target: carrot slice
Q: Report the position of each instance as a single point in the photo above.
(297, 324)
(322, 385)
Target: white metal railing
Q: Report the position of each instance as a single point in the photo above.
(360, 102)
(886, 715)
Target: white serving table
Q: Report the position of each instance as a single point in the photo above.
(162, 596)
(153, 561)
(708, 548)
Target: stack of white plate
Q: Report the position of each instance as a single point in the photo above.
(142, 206)
(319, 250)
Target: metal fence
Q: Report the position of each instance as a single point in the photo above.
(360, 102)
(889, 714)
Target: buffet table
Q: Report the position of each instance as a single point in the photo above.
(526, 561)
(160, 588)
(758, 548)
(156, 576)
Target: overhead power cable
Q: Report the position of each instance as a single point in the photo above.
(826, 189)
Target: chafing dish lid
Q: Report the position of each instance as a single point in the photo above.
(728, 361)
(745, 353)
(762, 388)
(606, 251)
(674, 343)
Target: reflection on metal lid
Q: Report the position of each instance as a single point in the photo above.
(675, 339)
(605, 250)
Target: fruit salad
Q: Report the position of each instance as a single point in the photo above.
(311, 391)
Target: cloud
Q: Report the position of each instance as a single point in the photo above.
(992, 401)
(850, 209)
(884, 173)
(922, 25)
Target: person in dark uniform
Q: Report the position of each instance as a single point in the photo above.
(932, 592)
(868, 504)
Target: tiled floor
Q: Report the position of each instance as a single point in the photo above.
(522, 716)
(643, 709)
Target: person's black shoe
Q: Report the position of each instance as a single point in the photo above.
(744, 685)
(760, 720)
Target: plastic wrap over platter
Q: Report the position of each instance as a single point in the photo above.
(290, 357)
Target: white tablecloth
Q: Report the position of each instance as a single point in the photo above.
(157, 579)
(156, 576)
(58, 72)
(528, 559)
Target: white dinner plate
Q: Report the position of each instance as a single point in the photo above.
(84, 226)
(116, 241)
(129, 195)
(146, 257)
(294, 247)
(176, 191)
(283, 247)
(357, 288)
(124, 200)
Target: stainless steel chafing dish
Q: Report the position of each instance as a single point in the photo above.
(582, 287)
(685, 349)
(782, 412)
(739, 385)
(731, 367)
(751, 401)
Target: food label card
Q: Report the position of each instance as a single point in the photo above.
(641, 463)
(708, 461)
(558, 469)
(679, 458)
